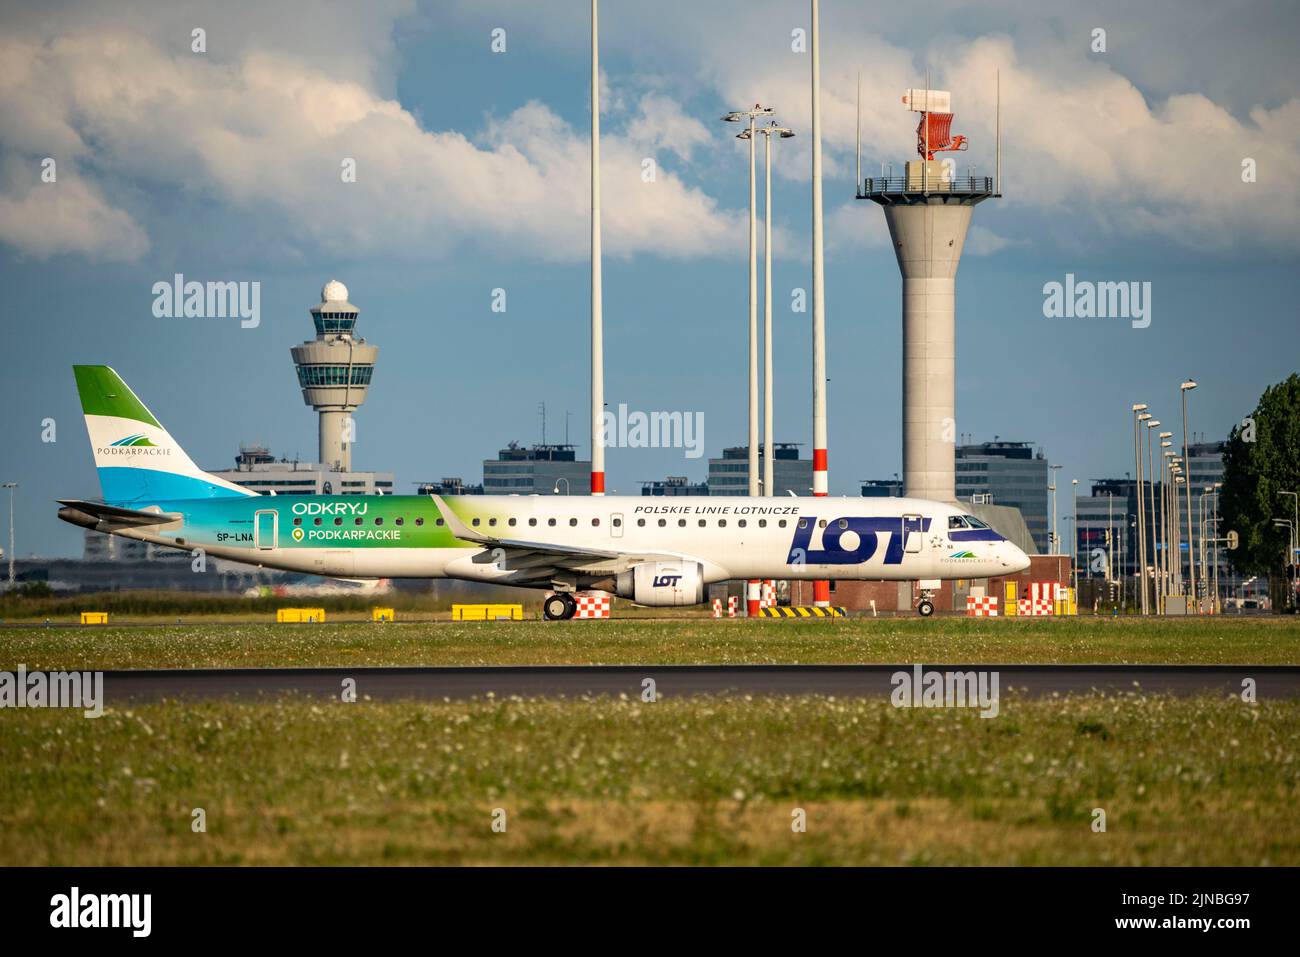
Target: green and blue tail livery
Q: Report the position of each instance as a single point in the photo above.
(139, 463)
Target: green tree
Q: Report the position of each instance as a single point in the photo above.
(1262, 458)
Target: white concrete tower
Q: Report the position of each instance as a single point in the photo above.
(928, 211)
(334, 370)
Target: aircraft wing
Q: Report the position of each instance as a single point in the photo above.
(542, 561)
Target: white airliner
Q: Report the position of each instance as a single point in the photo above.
(657, 551)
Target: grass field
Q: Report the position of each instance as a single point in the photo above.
(691, 641)
(688, 781)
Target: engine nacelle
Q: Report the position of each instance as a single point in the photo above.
(662, 583)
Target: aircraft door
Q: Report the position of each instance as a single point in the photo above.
(266, 529)
(912, 533)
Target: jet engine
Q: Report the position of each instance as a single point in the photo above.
(662, 583)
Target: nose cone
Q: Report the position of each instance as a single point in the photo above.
(1013, 559)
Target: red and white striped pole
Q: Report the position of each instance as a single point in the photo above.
(597, 319)
(821, 485)
(753, 596)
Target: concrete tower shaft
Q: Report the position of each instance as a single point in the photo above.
(928, 240)
(334, 371)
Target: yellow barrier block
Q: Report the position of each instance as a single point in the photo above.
(1011, 605)
(382, 614)
(300, 615)
(487, 612)
(94, 618)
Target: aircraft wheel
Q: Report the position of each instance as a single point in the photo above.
(558, 607)
(570, 606)
(925, 608)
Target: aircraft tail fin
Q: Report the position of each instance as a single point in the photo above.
(139, 463)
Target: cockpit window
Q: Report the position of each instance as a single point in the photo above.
(974, 522)
(956, 522)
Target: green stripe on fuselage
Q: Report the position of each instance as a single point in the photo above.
(323, 521)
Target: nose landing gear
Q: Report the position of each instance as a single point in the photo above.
(925, 597)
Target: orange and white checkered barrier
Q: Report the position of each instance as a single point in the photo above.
(981, 607)
(767, 598)
(731, 607)
(592, 604)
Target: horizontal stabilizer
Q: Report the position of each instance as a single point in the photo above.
(90, 514)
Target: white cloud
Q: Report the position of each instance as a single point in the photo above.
(267, 131)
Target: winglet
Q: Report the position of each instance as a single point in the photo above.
(458, 528)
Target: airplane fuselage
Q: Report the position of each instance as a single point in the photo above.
(730, 537)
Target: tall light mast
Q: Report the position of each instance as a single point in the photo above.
(821, 485)
(597, 318)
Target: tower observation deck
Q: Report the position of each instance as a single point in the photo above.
(334, 370)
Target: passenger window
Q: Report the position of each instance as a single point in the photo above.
(420, 521)
(762, 523)
(298, 521)
(843, 523)
(640, 523)
(492, 521)
(741, 523)
(550, 521)
(476, 523)
(595, 522)
(803, 523)
(573, 522)
(359, 520)
(703, 522)
(532, 521)
(781, 523)
(681, 523)
(722, 523)
(618, 523)
(663, 522)
(513, 522)
(399, 521)
(821, 523)
(440, 522)
(379, 521)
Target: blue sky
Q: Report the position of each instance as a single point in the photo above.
(1117, 166)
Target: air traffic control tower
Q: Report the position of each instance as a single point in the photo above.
(334, 370)
(928, 211)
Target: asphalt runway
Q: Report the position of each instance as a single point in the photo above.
(458, 683)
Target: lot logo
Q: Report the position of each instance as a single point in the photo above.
(53, 689)
(849, 541)
(135, 441)
(666, 581)
(946, 689)
(134, 911)
(1098, 300)
(213, 300)
(963, 554)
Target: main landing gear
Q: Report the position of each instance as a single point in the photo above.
(559, 607)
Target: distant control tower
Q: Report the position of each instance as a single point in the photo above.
(928, 211)
(334, 371)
